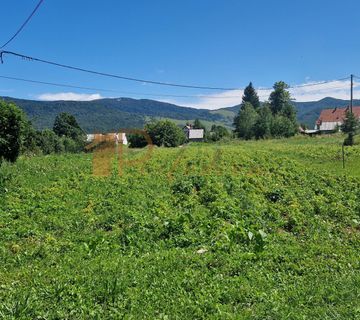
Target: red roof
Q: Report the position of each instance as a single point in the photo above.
(337, 114)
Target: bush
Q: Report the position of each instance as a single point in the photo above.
(165, 133)
(136, 140)
(245, 121)
(217, 133)
(49, 142)
(66, 125)
(12, 122)
(282, 127)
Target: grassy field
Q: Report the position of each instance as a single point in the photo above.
(247, 230)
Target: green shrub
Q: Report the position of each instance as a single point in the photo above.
(12, 123)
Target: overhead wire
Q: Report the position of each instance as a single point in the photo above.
(3, 52)
(72, 86)
(30, 58)
(23, 25)
(114, 91)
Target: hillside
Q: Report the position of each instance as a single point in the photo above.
(308, 112)
(250, 230)
(112, 114)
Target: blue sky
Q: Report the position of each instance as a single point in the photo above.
(202, 42)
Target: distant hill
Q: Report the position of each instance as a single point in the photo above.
(111, 114)
(308, 112)
(106, 115)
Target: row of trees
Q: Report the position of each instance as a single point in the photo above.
(274, 118)
(18, 136)
(167, 134)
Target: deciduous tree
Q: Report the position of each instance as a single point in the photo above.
(12, 123)
(245, 121)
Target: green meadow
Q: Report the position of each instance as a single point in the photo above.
(240, 230)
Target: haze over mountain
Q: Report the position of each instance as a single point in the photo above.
(106, 115)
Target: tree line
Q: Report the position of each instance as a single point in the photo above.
(18, 136)
(165, 133)
(275, 118)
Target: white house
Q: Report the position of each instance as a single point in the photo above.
(118, 137)
(330, 119)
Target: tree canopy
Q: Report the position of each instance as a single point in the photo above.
(217, 133)
(251, 96)
(351, 127)
(276, 118)
(165, 133)
(199, 125)
(162, 133)
(17, 134)
(12, 123)
(280, 98)
(66, 125)
(245, 121)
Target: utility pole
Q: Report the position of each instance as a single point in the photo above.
(351, 93)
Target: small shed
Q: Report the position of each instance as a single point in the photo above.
(194, 134)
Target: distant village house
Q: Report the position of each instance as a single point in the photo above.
(118, 137)
(193, 134)
(331, 119)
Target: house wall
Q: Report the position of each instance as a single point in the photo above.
(328, 126)
(117, 137)
(196, 134)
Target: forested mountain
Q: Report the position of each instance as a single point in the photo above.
(109, 114)
(112, 114)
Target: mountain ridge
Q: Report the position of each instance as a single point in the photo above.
(104, 115)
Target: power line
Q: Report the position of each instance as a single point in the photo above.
(23, 25)
(115, 91)
(2, 52)
(113, 75)
(66, 85)
(151, 81)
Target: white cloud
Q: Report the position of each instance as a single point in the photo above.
(335, 89)
(312, 91)
(71, 96)
(302, 93)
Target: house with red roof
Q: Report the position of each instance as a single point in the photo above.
(331, 119)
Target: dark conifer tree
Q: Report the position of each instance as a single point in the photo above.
(251, 96)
